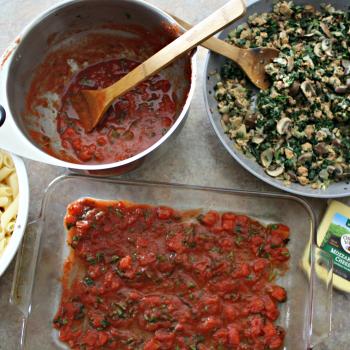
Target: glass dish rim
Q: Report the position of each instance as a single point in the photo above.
(110, 180)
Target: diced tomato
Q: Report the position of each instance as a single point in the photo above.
(275, 343)
(210, 218)
(269, 329)
(260, 264)
(125, 263)
(256, 326)
(176, 243)
(230, 312)
(152, 344)
(233, 335)
(271, 309)
(281, 230)
(256, 305)
(209, 323)
(228, 221)
(101, 140)
(147, 259)
(165, 338)
(278, 293)
(221, 336)
(76, 209)
(164, 213)
(242, 270)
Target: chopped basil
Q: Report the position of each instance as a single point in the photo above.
(88, 281)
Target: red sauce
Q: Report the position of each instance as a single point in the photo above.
(133, 123)
(154, 278)
(136, 121)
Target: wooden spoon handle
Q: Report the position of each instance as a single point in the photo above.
(203, 30)
(214, 44)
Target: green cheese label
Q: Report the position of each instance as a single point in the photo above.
(337, 243)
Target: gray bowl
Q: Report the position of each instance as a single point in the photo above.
(214, 63)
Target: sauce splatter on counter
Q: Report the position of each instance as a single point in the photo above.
(155, 278)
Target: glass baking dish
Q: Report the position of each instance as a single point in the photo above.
(36, 287)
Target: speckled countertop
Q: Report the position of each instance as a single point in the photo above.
(197, 158)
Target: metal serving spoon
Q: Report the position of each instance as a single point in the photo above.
(251, 61)
(91, 105)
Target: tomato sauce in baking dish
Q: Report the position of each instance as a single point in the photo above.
(155, 278)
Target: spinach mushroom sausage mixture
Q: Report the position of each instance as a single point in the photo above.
(299, 128)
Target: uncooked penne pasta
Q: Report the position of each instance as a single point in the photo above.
(4, 201)
(6, 191)
(12, 181)
(10, 227)
(9, 214)
(5, 172)
(8, 199)
(7, 161)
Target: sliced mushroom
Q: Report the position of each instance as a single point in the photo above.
(327, 47)
(294, 89)
(266, 157)
(307, 88)
(326, 30)
(250, 120)
(290, 63)
(317, 50)
(342, 89)
(240, 133)
(331, 169)
(309, 9)
(281, 61)
(283, 125)
(292, 175)
(336, 170)
(346, 65)
(323, 174)
(309, 61)
(236, 122)
(258, 139)
(275, 171)
(305, 157)
(339, 171)
(321, 148)
(336, 142)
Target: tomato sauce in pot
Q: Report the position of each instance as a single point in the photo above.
(96, 60)
(133, 123)
(155, 278)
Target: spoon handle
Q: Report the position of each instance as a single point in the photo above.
(193, 37)
(214, 44)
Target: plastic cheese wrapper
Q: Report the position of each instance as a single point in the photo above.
(333, 237)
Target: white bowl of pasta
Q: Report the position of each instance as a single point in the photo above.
(14, 206)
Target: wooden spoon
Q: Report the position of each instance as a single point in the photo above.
(91, 105)
(251, 61)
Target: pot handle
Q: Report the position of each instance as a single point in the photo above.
(321, 280)
(14, 141)
(23, 279)
(2, 115)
